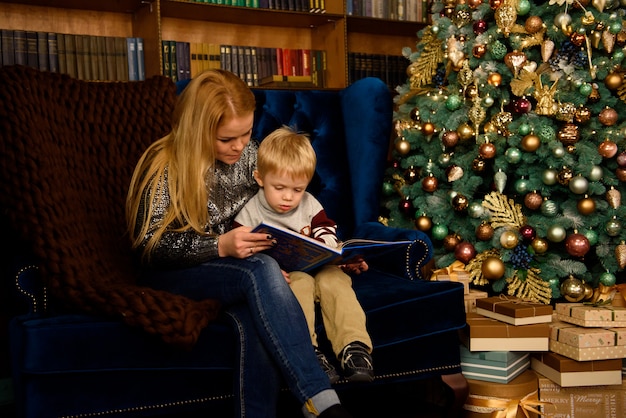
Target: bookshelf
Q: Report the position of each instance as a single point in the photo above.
(334, 31)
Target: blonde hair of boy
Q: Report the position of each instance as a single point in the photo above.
(287, 152)
(187, 154)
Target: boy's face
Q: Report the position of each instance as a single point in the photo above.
(282, 192)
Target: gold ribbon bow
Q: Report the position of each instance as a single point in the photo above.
(452, 270)
(505, 408)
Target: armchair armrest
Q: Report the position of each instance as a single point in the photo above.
(413, 261)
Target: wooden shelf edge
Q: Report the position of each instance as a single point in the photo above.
(117, 6)
(370, 25)
(244, 15)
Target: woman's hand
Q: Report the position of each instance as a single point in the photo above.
(241, 243)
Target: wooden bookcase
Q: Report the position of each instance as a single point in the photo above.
(156, 20)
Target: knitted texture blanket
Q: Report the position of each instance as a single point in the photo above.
(67, 152)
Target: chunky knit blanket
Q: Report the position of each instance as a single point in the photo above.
(67, 151)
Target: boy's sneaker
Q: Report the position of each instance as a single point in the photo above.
(356, 363)
(328, 368)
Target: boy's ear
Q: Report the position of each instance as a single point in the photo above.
(258, 178)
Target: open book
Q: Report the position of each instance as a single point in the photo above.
(297, 252)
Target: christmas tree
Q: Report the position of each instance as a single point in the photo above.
(511, 145)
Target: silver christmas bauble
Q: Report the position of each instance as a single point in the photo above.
(556, 233)
(578, 185)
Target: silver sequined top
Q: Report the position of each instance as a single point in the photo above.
(233, 186)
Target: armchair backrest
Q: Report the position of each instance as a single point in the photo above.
(350, 132)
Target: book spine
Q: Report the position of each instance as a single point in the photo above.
(180, 60)
(109, 54)
(121, 59)
(43, 57)
(94, 59)
(32, 54)
(53, 52)
(255, 65)
(8, 47)
(19, 45)
(165, 46)
(61, 53)
(141, 65)
(70, 55)
(131, 56)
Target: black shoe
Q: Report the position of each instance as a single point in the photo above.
(328, 368)
(356, 363)
(335, 411)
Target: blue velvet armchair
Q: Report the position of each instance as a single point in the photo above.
(76, 353)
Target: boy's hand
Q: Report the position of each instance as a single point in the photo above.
(286, 276)
(354, 266)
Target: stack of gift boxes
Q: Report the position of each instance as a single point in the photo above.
(527, 358)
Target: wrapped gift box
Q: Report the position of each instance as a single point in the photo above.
(471, 298)
(581, 402)
(567, 372)
(488, 334)
(606, 316)
(513, 310)
(514, 399)
(585, 344)
(494, 366)
(454, 272)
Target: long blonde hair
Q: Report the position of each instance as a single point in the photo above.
(187, 155)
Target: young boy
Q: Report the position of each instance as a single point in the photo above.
(285, 166)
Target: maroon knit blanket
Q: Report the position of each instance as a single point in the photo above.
(67, 151)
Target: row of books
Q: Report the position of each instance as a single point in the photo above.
(406, 10)
(85, 57)
(257, 66)
(312, 6)
(389, 68)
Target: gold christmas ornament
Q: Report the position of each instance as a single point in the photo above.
(460, 202)
(614, 197)
(495, 79)
(430, 183)
(582, 114)
(607, 148)
(428, 128)
(564, 176)
(533, 200)
(613, 80)
(509, 239)
(465, 131)
(454, 173)
(505, 17)
(423, 223)
(586, 206)
(515, 60)
(547, 48)
(492, 268)
(566, 112)
(465, 76)
(540, 245)
(608, 41)
(403, 147)
(620, 255)
(530, 143)
(478, 165)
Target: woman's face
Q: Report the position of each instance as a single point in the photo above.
(232, 137)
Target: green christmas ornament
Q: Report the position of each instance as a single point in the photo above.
(522, 7)
(613, 227)
(607, 278)
(547, 133)
(453, 102)
(498, 50)
(618, 56)
(615, 27)
(524, 129)
(439, 231)
(513, 155)
(388, 189)
(585, 89)
(549, 208)
(475, 210)
(522, 186)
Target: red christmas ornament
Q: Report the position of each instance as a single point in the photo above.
(480, 26)
(464, 252)
(406, 206)
(449, 139)
(577, 245)
(621, 159)
(522, 105)
(430, 183)
(528, 233)
(620, 173)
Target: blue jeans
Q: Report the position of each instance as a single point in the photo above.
(273, 335)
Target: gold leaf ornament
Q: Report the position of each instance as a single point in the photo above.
(422, 71)
(506, 15)
(521, 84)
(503, 211)
(533, 288)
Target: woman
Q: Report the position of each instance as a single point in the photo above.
(184, 193)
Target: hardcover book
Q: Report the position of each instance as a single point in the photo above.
(297, 252)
